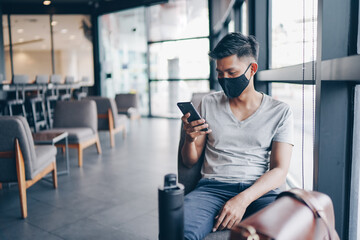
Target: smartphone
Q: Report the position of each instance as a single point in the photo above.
(188, 107)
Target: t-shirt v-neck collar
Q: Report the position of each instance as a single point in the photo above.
(251, 116)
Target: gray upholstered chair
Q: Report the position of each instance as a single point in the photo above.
(20, 160)
(127, 103)
(79, 119)
(19, 81)
(189, 177)
(108, 118)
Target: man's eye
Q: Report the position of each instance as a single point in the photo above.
(232, 73)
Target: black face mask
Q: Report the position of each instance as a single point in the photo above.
(233, 87)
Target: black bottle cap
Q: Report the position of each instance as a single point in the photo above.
(170, 180)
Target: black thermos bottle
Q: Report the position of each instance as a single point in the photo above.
(171, 209)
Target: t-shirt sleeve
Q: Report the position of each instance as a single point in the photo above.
(285, 130)
(201, 109)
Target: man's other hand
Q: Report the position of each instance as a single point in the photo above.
(230, 214)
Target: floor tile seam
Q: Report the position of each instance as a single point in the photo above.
(138, 216)
(43, 230)
(66, 225)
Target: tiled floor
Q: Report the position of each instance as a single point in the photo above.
(113, 196)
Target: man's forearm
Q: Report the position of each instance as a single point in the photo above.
(267, 182)
(189, 153)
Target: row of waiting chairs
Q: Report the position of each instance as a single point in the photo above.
(25, 164)
(40, 116)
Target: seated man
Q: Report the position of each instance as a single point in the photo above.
(247, 148)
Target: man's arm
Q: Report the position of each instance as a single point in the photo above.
(234, 209)
(194, 140)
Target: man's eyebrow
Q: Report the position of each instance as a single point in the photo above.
(226, 70)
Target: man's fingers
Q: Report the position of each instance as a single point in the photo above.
(231, 224)
(198, 128)
(225, 222)
(197, 122)
(219, 220)
(236, 223)
(185, 117)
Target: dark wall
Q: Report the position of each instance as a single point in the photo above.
(335, 32)
(335, 148)
(2, 54)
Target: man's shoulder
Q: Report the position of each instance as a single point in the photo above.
(213, 97)
(277, 104)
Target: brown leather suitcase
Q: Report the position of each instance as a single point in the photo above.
(295, 215)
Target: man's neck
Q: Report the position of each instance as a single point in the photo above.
(248, 99)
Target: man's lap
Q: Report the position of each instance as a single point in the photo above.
(204, 203)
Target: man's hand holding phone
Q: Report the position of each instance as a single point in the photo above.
(195, 128)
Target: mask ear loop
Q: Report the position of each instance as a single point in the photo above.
(247, 68)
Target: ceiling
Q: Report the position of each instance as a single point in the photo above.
(71, 6)
(57, 1)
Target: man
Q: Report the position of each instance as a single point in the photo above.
(248, 144)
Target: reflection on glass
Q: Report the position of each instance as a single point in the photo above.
(358, 37)
(123, 55)
(165, 95)
(292, 95)
(287, 32)
(30, 35)
(7, 77)
(185, 59)
(73, 46)
(244, 19)
(178, 19)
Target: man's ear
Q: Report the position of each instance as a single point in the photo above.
(254, 68)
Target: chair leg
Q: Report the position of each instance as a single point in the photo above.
(10, 110)
(54, 175)
(23, 110)
(0, 185)
(80, 155)
(124, 132)
(33, 111)
(112, 139)
(98, 146)
(20, 170)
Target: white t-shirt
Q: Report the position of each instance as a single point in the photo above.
(239, 151)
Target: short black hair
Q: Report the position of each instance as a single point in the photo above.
(236, 43)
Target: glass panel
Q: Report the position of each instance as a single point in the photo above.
(73, 47)
(185, 59)
(244, 18)
(354, 223)
(123, 55)
(178, 19)
(292, 95)
(287, 32)
(31, 44)
(358, 37)
(165, 95)
(7, 77)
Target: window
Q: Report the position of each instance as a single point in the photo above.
(354, 223)
(178, 66)
(292, 95)
(244, 19)
(185, 59)
(73, 46)
(32, 46)
(30, 36)
(178, 19)
(287, 32)
(123, 55)
(358, 38)
(6, 48)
